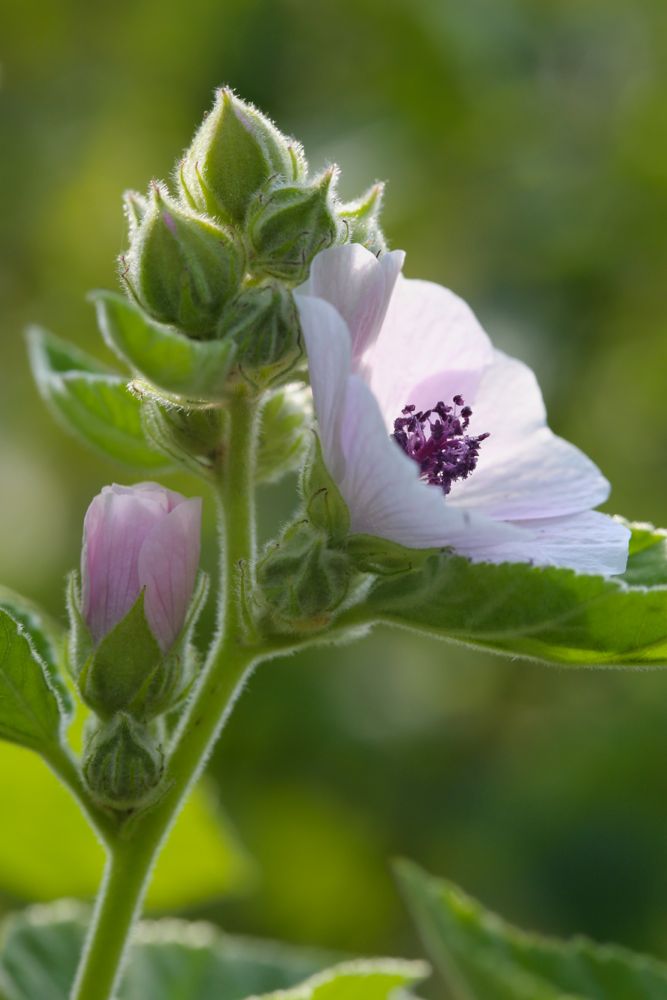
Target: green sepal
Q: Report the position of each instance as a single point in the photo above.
(118, 674)
(181, 266)
(135, 207)
(190, 369)
(371, 554)
(324, 505)
(289, 224)
(283, 433)
(80, 645)
(361, 219)
(301, 581)
(193, 437)
(184, 658)
(90, 401)
(122, 762)
(234, 152)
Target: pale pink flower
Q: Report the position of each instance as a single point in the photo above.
(487, 477)
(140, 538)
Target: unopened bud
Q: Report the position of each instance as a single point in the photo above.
(123, 763)
(191, 435)
(361, 219)
(138, 574)
(289, 225)
(264, 325)
(301, 580)
(181, 267)
(236, 151)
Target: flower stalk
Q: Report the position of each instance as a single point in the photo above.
(134, 849)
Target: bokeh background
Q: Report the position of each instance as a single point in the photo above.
(525, 146)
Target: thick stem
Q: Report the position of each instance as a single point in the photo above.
(133, 855)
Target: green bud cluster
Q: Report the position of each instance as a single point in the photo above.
(305, 576)
(301, 579)
(216, 258)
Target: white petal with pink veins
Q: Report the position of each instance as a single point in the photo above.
(427, 330)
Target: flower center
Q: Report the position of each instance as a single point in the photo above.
(436, 440)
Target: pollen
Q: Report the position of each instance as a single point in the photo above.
(437, 441)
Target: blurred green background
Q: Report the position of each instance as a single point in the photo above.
(525, 145)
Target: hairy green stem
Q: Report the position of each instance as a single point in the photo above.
(133, 852)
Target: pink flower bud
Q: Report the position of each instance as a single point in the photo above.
(140, 538)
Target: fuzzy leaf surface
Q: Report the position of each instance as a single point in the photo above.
(91, 401)
(193, 369)
(481, 957)
(31, 713)
(170, 960)
(542, 613)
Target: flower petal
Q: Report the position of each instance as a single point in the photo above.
(508, 405)
(115, 527)
(167, 568)
(385, 495)
(590, 542)
(329, 357)
(168, 499)
(545, 477)
(359, 286)
(427, 329)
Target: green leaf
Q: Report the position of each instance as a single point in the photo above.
(30, 710)
(647, 565)
(91, 401)
(483, 958)
(202, 860)
(169, 960)
(542, 613)
(367, 979)
(194, 369)
(47, 637)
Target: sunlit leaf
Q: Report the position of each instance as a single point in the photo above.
(91, 401)
(543, 613)
(481, 957)
(194, 369)
(31, 713)
(170, 960)
(46, 635)
(368, 979)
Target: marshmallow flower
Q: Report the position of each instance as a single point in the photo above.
(140, 538)
(434, 437)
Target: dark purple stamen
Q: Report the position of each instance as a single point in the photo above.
(436, 440)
